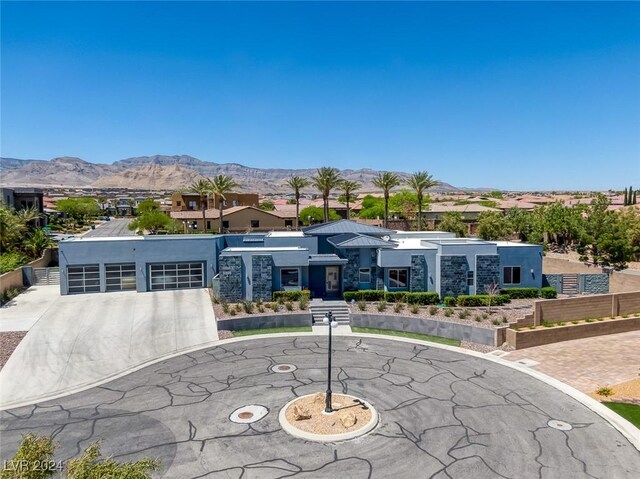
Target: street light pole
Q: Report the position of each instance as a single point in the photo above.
(328, 320)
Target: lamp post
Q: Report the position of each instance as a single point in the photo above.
(328, 320)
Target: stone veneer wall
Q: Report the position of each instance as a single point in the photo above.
(230, 277)
(596, 283)
(350, 271)
(417, 273)
(487, 271)
(262, 276)
(374, 268)
(453, 275)
(553, 280)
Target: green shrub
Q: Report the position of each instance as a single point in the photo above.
(423, 298)
(11, 261)
(398, 307)
(9, 294)
(604, 391)
(364, 295)
(450, 301)
(485, 315)
(478, 318)
(599, 319)
(463, 314)
(495, 322)
(522, 293)
(238, 307)
(282, 296)
(395, 296)
(482, 300)
(275, 306)
(362, 305)
(560, 323)
(448, 312)
(548, 292)
(415, 308)
(261, 309)
(288, 305)
(547, 324)
(247, 306)
(504, 319)
(215, 299)
(382, 306)
(433, 310)
(575, 322)
(303, 303)
(225, 306)
(588, 320)
(259, 302)
(232, 312)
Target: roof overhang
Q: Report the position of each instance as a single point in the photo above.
(326, 260)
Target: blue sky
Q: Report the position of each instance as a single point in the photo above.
(505, 95)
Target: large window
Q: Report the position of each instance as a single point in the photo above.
(255, 223)
(289, 277)
(176, 276)
(120, 277)
(398, 278)
(511, 275)
(365, 275)
(83, 279)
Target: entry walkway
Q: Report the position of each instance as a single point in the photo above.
(78, 340)
(586, 364)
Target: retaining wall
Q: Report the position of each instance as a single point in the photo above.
(597, 306)
(22, 276)
(444, 329)
(556, 334)
(262, 321)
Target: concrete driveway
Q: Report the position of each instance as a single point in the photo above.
(115, 227)
(78, 340)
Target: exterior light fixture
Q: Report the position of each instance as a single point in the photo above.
(329, 321)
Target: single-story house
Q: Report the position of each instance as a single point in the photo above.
(327, 259)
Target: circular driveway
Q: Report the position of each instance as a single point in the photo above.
(442, 415)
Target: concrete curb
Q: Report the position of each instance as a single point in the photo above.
(628, 430)
(309, 436)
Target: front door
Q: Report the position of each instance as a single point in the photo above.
(332, 279)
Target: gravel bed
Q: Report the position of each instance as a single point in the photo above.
(225, 334)
(8, 343)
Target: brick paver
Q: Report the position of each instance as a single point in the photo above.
(587, 364)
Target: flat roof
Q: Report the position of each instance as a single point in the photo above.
(261, 248)
(412, 243)
(143, 238)
(512, 243)
(285, 234)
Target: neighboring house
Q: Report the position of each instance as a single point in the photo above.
(238, 219)
(327, 259)
(190, 201)
(23, 198)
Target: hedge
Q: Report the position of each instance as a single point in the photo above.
(450, 301)
(420, 297)
(482, 300)
(522, 293)
(293, 295)
(548, 292)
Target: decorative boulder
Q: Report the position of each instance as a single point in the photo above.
(300, 413)
(348, 420)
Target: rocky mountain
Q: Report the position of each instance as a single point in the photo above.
(162, 172)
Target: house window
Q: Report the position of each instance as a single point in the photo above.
(192, 205)
(288, 223)
(225, 223)
(365, 275)
(398, 278)
(178, 203)
(255, 223)
(469, 278)
(289, 277)
(208, 224)
(511, 275)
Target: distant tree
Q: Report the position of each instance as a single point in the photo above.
(325, 180)
(80, 209)
(202, 188)
(521, 222)
(386, 181)
(625, 200)
(492, 225)
(496, 194)
(452, 222)
(488, 203)
(152, 221)
(267, 205)
(348, 189)
(633, 197)
(220, 186)
(297, 183)
(315, 214)
(372, 207)
(102, 202)
(147, 206)
(420, 182)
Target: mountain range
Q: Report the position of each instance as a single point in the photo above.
(162, 172)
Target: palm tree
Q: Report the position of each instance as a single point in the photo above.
(348, 188)
(420, 182)
(202, 187)
(220, 185)
(296, 183)
(326, 179)
(386, 181)
(38, 242)
(102, 200)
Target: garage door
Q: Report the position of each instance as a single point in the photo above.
(176, 276)
(121, 277)
(83, 279)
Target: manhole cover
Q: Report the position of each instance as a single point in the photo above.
(560, 425)
(283, 368)
(248, 414)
